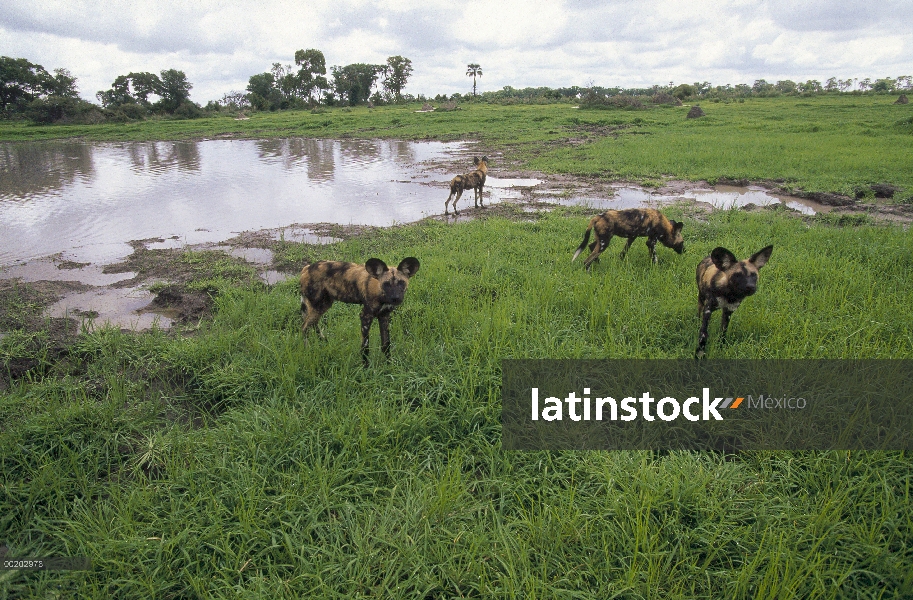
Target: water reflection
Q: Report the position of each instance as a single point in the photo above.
(87, 199)
(35, 169)
(158, 157)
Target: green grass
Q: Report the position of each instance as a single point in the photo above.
(242, 462)
(822, 144)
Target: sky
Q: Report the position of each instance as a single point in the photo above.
(220, 44)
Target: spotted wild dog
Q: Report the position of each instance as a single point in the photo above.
(723, 282)
(631, 223)
(375, 286)
(470, 181)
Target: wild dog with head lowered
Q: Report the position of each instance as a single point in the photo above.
(470, 181)
(723, 282)
(631, 223)
(375, 286)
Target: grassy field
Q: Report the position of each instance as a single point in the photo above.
(833, 143)
(240, 462)
(232, 460)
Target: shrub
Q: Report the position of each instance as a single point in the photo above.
(188, 110)
(664, 98)
(61, 109)
(593, 99)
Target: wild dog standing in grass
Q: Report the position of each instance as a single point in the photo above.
(470, 181)
(723, 282)
(378, 288)
(631, 223)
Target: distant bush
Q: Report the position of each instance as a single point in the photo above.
(593, 99)
(62, 109)
(126, 112)
(664, 98)
(188, 110)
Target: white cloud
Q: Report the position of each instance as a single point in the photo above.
(219, 44)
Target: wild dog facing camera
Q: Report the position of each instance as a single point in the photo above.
(722, 283)
(378, 288)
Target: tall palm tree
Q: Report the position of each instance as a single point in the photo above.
(473, 70)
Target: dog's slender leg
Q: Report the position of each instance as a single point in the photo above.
(383, 321)
(724, 324)
(366, 319)
(702, 337)
(602, 245)
(651, 244)
(624, 251)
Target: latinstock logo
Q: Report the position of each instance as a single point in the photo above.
(717, 405)
(587, 408)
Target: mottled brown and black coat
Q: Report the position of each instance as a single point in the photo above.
(722, 283)
(376, 287)
(470, 181)
(631, 223)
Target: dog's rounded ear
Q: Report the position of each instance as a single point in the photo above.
(677, 226)
(409, 266)
(722, 258)
(475, 160)
(485, 159)
(376, 267)
(760, 258)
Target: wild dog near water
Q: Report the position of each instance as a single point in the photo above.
(723, 282)
(375, 286)
(631, 223)
(470, 181)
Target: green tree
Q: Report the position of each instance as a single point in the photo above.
(144, 84)
(263, 94)
(786, 86)
(396, 73)
(311, 72)
(171, 87)
(175, 90)
(63, 84)
(884, 85)
(118, 95)
(353, 83)
(473, 70)
(684, 91)
(22, 81)
(286, 81)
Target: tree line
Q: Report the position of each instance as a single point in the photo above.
(28, 90)
(306, 84)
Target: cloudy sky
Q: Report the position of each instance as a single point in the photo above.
(219, 44)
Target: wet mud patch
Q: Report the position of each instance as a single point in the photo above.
(180, 265)
(182, 305)
(31, 343)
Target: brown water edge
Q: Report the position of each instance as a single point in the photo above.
(152, 286)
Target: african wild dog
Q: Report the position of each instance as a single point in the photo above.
(723, 282)
(470, 181)
(373, 285)
(631, 223)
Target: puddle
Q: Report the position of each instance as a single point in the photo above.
(122, 308)
(726, 197)
(302, 235)
(270, 277)
(79, 197)
(87, 200)
(721, 197)
(47, 270)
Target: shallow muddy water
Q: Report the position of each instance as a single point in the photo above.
(87, 199)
